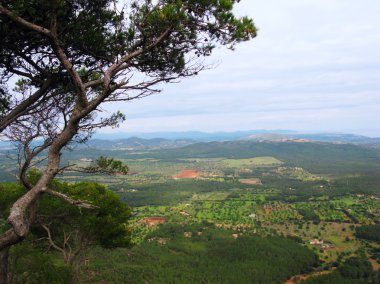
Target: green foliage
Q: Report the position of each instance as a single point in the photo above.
(212, 257)
(4, 99)
(309, 215)
(30, 265)
(74, 18)
(105, 225)
(369, 232)
(9, 193)
(323, 158)
(106, 165)
(109, 164)
(195, 26)
(95, 31)
(171, 191)
(3, 225)
(355, 270)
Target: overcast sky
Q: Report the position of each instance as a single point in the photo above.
(314, 67)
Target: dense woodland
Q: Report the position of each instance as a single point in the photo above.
(369, 232)
(212, 257)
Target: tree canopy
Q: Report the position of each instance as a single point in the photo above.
(68, 229)
(85, 48)
(68, 58)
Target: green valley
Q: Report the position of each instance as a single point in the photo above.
(272, 211)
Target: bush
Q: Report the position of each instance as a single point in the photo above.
(30, 265)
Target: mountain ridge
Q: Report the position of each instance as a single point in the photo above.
(264, 135)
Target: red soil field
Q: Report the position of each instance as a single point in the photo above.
(188, 174)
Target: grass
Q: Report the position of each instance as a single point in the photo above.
(211, 196)
(251, 162)
(333, 232)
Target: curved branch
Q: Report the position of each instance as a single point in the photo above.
(116, 67)
(29, 156)
(62, 57)
(50, 239)
(23, 22)
(9, 238)
(22, 108)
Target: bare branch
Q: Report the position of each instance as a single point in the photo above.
(50, 239)
(62, 169)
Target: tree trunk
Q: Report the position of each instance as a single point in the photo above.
(4, 254)
(8, 239)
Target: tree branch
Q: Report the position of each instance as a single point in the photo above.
(69, 200)
(61, 55)
(116, 67)
(25, 105)
(23, 22)
(49, 238)
(9, 238)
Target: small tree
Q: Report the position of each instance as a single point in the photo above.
(69, 230)
(70, 57)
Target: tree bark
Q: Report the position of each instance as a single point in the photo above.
(4, 254)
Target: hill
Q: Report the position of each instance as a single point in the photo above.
(316, 157)
(322, 137)
(136, 143)
(243, 135)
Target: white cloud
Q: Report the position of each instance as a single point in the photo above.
(314, 66)
(309, 120)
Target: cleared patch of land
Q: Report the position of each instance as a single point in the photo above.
(251, 181)
(251, 162)
(188, 174)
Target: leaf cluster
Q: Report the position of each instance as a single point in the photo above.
(106, 225)
(105, 165)
(67, 49)
(195, 29)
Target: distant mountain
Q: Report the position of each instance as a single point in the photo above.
(340, 138)
(255, 135)
(6, 145)
(165, 140)
(136, 143)
(323, 137)
(190, 135)
(274, 137)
